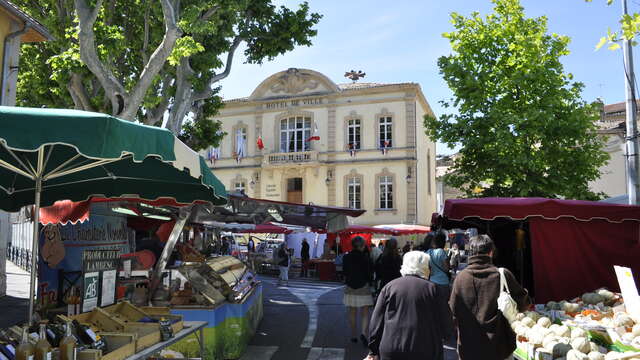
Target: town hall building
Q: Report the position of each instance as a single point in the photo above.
(300, 137)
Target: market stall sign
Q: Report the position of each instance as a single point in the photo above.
(100, 260)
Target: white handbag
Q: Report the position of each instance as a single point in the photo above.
(506, 304)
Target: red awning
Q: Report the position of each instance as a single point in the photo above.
(551, 209)
(266, 229)
(402, 229)
(64, 211)
(395, 230)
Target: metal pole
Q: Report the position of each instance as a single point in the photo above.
(34, 247)
(633, 163)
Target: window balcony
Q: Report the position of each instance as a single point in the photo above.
(291, 158)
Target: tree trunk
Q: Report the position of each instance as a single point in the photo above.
(183, 97)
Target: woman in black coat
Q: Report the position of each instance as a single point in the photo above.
(389, 263)
(410, 320)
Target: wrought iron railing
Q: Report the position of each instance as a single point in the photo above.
(292, 158)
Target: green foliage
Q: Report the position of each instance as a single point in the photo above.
(127, 33)
(629, 30)
(202, 132)
(520, 120)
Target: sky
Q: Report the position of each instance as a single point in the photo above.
(401, 41)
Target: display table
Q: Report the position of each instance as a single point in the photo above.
(190, 327)
(326, 269)
(230, 326)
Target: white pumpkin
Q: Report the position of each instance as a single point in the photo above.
(581, 344)
(571, 307)
(592, 298)
(606, 294)
(515, 324)
(595, 355)
(528, 322)
(533, 315)
(548, 340)
(563, 331)
(627, 338)
(622, 320)
(535, 337)
(544, 322)
(576, 355)
(560, 350)
(578, 332)
(636, 330)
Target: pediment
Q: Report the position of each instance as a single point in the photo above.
(294, 82)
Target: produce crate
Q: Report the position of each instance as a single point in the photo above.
(127, 313)
(156, 312)
(102, 320)
(119, 347)
(146, 334)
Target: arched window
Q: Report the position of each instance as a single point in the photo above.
(294, 131)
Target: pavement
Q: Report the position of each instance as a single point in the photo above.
(306, 321)
(15, 305)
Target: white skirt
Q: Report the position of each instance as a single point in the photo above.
(358, 297)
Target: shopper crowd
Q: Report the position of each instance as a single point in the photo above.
(419, 307)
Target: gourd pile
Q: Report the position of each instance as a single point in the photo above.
(562, 330)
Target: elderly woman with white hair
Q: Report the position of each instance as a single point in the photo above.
(411, 319)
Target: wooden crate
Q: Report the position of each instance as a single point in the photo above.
(119, 347)
(146, 334)
(165, 312)
(127, 312)
(101, 319)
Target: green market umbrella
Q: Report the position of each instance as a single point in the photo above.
(51, 154)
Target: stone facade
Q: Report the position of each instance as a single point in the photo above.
(284, 111)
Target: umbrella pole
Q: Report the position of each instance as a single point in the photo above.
(34, 247)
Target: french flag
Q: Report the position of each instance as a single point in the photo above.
(385, 147)
(316, 134)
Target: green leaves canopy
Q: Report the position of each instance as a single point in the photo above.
(522, 125)
(128, 33)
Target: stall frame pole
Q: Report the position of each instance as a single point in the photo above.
(183, 216)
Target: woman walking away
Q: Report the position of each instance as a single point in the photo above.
(358, 273)
(439, 262)
(483, 332)
(283, 264)
(388, 265)
(410, 320)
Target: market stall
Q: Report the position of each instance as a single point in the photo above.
(560, 249)
(197, 284)
(75, 155)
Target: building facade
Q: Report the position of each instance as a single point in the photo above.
(301, 137)
(612, 129)
(16, 27)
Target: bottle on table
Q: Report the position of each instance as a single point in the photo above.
(87, 336)
(26, 350)
(43, 348)
(68, 345)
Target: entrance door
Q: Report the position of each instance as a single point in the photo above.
(294, 190)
